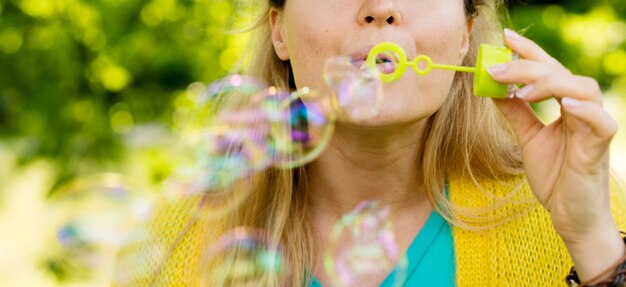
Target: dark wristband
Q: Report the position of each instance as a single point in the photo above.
(617, 278)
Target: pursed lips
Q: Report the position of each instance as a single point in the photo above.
(359, 57)
(384, 62)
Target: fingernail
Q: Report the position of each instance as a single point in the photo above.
(511, 34)
(524, 91)
(570, 102)
(496, 69)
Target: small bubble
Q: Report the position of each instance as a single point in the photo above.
(362, 246)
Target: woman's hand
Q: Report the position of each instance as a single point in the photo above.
(566, 162)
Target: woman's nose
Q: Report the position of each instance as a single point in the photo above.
(380, 13)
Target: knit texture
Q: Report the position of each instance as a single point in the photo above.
(161, 257)
(523, 251)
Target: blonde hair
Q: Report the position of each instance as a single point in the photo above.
(453, 146)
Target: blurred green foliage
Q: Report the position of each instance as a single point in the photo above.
(76, 76)
(588, 37)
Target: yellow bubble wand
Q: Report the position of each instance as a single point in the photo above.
(484, 85)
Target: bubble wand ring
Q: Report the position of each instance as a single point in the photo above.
(484, 85)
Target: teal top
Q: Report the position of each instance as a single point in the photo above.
(430, 257)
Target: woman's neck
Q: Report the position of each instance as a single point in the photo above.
(368, 164)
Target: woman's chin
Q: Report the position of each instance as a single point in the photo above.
(402, 103)
(371, 119)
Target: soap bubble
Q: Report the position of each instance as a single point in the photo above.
(105, 209)
(359, 91)
(307, 128)
(362, 246)
(240, 127)
(95, 216)
(227, 136)
(244, 257)
(232, 93)
(215, 205)
(224, 154)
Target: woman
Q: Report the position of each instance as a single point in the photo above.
(494, 155)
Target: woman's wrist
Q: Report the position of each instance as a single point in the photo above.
(614, 276)
(596, 255)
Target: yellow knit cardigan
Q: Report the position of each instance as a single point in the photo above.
(525, 251)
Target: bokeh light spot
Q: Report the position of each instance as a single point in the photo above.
(615, 63)
(553, 15)
(616, 32)
(43, 38)
(11, 40)
(122, 122)
(589, 30)
(95, 39)
(114, 78)
(194, 90)
(83, 111)
(173, 12)
(618, 86)
(152, 15)
(120, 117)
(220, 10)
(228, 58)
(37, 8)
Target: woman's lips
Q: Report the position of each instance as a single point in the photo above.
(359, 57)
(358, 63)
(385, 63)
(386, 67)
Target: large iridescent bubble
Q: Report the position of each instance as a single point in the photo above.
(362, 246)
(358, 91)
(305, 130)
(96, 216)
(226, 136)
(240, 127)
